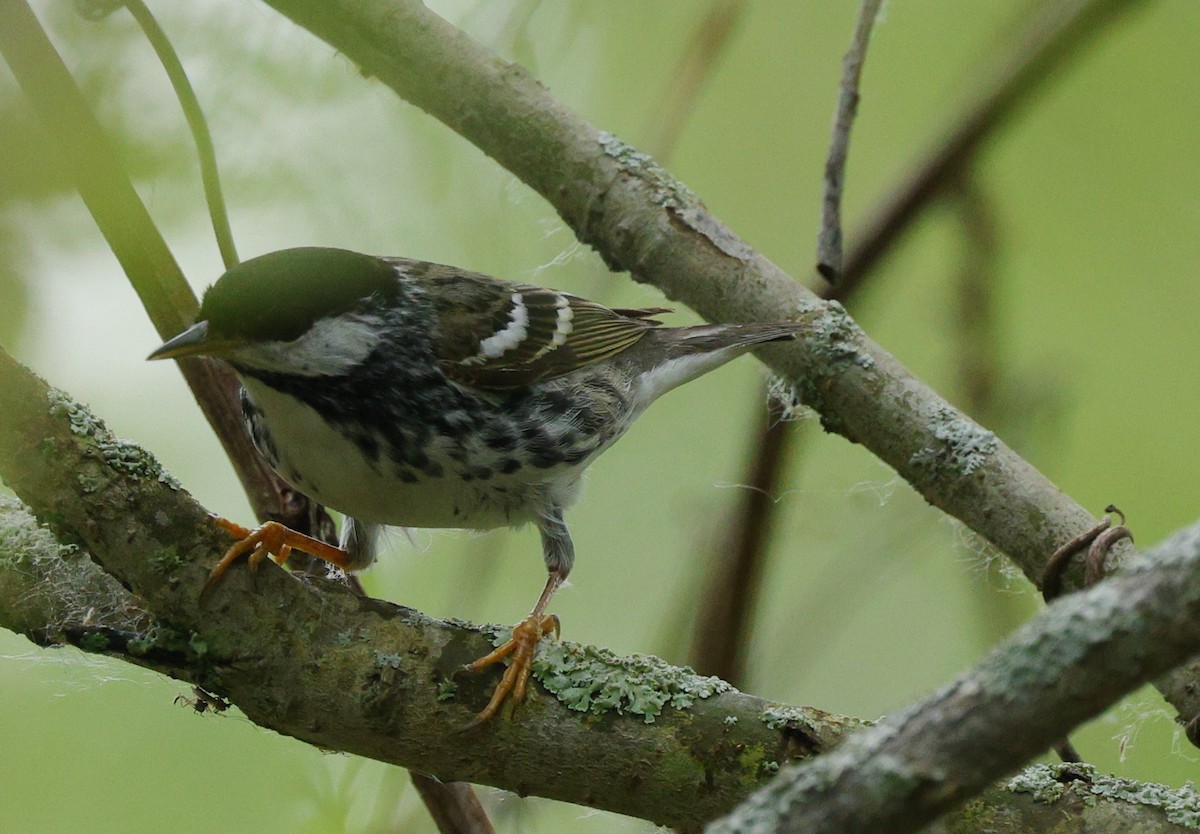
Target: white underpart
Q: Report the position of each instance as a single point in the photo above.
(675, 372)
(511, 336)
(329, 348)
(563, 326)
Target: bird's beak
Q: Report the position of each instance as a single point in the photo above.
(195, 341)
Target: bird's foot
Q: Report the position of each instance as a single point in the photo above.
(271, 539)
(521, 647)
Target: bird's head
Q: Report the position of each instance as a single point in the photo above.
(306, 312)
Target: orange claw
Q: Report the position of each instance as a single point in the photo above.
(522, 646)
(271, 539)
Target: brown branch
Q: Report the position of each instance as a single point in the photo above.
(1055, 38)
(829, 239)
(453, 805)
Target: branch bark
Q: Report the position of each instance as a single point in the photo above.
(639, 218)
(1078, 657)
(310, 659)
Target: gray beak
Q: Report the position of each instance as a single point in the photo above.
(192, 342)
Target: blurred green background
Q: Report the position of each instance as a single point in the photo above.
(871, 598)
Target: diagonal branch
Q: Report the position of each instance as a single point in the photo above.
(1078, 657)
(640, 218)
(78, 145)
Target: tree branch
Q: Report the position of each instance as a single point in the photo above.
(1078, 657)
(311, 660)
(829, 239)
(77, 144)
(639, 218)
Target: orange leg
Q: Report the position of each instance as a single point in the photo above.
(521, 646)
(271, 539)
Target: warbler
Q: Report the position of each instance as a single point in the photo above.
(406, 393)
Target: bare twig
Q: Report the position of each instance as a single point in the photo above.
(209, 173)
(1053, 38)
(692, 74)
(829, 239)
(1056, 37)
(730, 596)
(977, 347)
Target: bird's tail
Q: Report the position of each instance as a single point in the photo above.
(694, 351)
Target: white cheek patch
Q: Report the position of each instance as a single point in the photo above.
(331, 347)
(513, 334)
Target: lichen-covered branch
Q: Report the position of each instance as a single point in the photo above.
(640, 218)
(312, 660)
(1078, 657)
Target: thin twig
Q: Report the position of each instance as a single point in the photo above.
(453, 805)
(1054, 39)
(976, 347)
(209, 174)
(1055, 36)
(691, 75)
(829, 239)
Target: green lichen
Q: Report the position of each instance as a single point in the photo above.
(388, 661)
(963, 447)
(836, 336)
(167, 561)
(596, 681)
(781, 717)
(121, 455)
(163, 638)
(446, 689)
(671, 192)
(1048, 783)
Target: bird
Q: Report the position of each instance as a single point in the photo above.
(412, 394)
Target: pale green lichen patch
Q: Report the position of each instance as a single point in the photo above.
(963, 446)
(674, 196)
(671, 192)
(596, 681)
(1049, 783)
(837, 336)
(121, 455)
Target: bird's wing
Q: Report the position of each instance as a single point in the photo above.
(497, 335)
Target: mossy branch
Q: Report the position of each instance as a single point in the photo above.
(312, 660)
